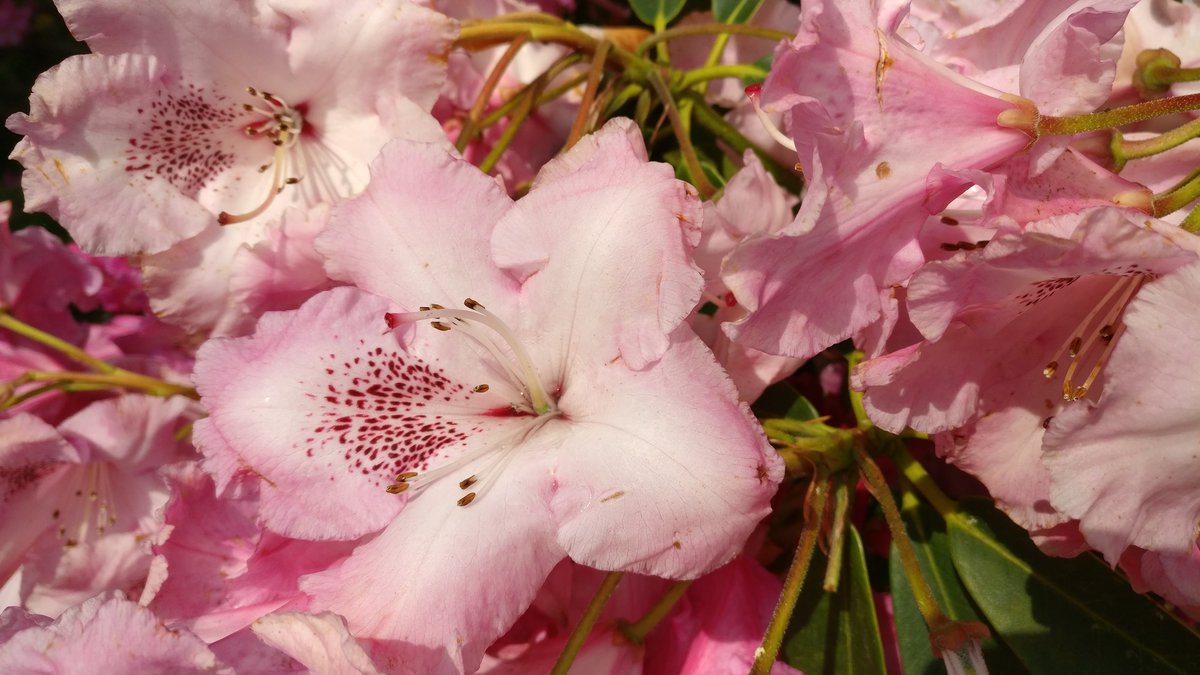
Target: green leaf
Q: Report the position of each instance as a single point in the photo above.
(927, 531)
(802, 409)
(1063, 615)
(656, 12)
(735, 11)
(836, 633)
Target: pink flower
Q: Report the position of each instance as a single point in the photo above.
(144, 145)
(217, 570)
(1126, 465)
(79, 499)
(1009, 331)
(537, 427)
(868, 139)
(106, 634)
(752, 204)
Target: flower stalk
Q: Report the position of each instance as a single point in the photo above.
(586, 623)
(765, 655)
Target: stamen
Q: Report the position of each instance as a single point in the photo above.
(753, 92)
(523, 370)
(1098, 332)
(282, 126)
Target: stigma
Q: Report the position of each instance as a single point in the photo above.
(281, 124)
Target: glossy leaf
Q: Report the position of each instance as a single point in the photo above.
(656, 12)
(1062, 615)
(735, 11)
(836, 633)
(927, 531)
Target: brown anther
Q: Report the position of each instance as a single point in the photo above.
(947, 220)
(1079, 393)
(471, 304)
(407, 475)
(277, 142)
(247, 107)
(1073, 350)
(432, 306)
(439, 325)
(480, 388)
(466, 499)
(291, 181)
(397, 488)
(467, 482)
(1050, 369)
(1107, 332)
(263, 168)
(422, 308)
(947, 246)
(1046, 422)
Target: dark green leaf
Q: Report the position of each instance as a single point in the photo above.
(1064, 615)
(735, 11)
(927, 531)
(802, 409)
(652, 11)
(836, 633)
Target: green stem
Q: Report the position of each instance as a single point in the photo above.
(62, 346)
(713, 122)
(706, 73)
(876, 484)
(1110, 119)
(710, 29)
(1124, 150)
(764, 656)
(637, 631)
(916, 474)
(686, 148)
(1192, 222)
(586, 622)
(1177, 197)
(1162, 76)
(120, 378)
(491, 32)
(584, 115)
(837, 531)
(485, 92)
(514, 125)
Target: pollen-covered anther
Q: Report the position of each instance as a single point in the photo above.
(466, 499)
(282, 124)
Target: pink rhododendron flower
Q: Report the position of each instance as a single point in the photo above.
(995, 323)
(566, 400)
(85, 639)
(867, 138)
(40, 279)
(1124, 490)
(752, 204)
(218, 569)
(78, 499)
(187, 113)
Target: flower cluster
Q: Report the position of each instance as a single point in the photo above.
(419, 337)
